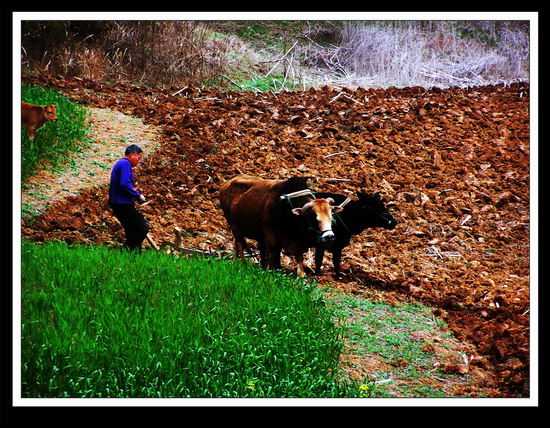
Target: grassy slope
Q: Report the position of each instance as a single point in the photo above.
(102, 323)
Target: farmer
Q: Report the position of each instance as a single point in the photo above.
(122, 196)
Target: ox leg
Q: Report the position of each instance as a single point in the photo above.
(271, 256)
(336, 260)
(277, 258)
(240, 244)
(263, 254)
(272, 253)
(300, 268)
(319, 255)
(267, 259)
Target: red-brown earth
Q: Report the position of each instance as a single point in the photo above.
(454, 163)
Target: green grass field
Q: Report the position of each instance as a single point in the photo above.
(54, 141)
(97, 322)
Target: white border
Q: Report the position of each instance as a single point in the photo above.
(17, 17)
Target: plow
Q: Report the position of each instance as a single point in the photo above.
(175, 246)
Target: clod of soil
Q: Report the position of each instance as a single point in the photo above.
(454, 162)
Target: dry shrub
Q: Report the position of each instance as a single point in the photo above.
(437, 53)
(145, 52)
(80, 60)
(165, 52)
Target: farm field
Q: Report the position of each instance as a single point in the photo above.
(453, 162)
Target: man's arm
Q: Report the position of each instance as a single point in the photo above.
(126, 181)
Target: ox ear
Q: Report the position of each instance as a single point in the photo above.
(376, 194)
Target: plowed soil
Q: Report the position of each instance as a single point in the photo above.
(454, 163)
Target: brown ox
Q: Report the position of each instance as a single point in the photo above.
(279, 215)
(34, 117)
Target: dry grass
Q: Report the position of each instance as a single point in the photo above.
(297, 55)
(143, 52)
(416, 53)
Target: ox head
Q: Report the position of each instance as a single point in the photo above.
(378, 214)
(320, 212)
(51, 113)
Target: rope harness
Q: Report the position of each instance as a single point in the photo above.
(305, 192)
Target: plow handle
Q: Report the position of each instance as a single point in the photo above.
(152, 243)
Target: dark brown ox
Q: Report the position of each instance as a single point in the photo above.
(279, 215)
(34, 117)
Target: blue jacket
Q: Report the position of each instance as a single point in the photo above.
(121, 190)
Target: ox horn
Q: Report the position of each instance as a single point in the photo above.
(303, 210)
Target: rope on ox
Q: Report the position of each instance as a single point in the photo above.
(304, 192)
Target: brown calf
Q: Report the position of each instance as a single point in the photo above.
(33, 117)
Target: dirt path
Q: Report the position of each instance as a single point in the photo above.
(110, 133)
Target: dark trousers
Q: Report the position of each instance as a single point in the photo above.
(134, 224)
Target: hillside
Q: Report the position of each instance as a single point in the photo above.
(454, 163)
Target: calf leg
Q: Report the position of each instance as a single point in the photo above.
(30, 132)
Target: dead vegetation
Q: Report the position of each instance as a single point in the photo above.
(280, 54)
(143, 52)
(422, 53)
